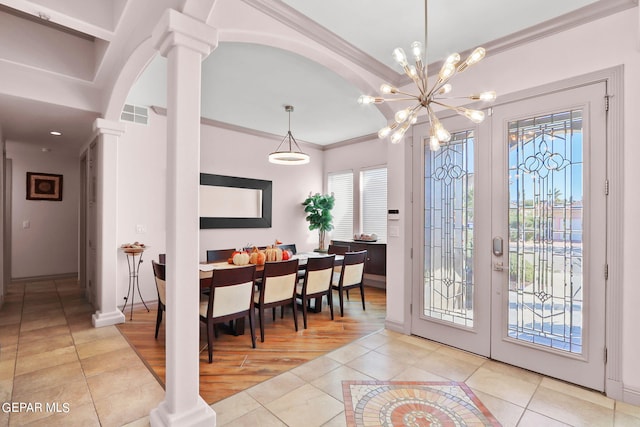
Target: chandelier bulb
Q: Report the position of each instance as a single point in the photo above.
(488, 96)
(416, 50)
(367, 99)
(439, 131)
(399, 134)
(475, 57)
(434, 144)
(401, 115)
(386, 88)
(454, 58)
(445, 89)
(386, 131)
(447, 70)
(400, 56)
(476, 116)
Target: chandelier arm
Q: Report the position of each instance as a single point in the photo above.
(443, 104)
(413, 98)
(439, 84)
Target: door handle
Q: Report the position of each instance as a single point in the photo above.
(497, 246)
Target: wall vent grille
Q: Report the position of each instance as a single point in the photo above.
(135, 114)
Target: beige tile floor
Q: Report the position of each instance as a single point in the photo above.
(49, 352)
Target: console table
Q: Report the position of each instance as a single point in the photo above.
(376, 255)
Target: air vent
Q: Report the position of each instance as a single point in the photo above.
(135, 114)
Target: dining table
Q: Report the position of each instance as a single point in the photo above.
(207, 269)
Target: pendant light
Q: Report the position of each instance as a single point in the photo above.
(289, 157)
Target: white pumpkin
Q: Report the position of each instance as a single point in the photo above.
(241, 258)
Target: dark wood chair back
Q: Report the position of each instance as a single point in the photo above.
(217, 255)
(231, 292)
(351, 276)
(316, 283)
(277, 289)
(159, 273)
(338, 249)
(162, 258)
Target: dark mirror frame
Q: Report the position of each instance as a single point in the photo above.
(232, 181)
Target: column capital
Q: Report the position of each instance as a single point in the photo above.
(178, 29)
(108, 127)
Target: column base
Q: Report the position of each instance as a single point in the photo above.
(100, 319)
(201, 415)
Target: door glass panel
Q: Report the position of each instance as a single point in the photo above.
(448, 219)
(545, 230)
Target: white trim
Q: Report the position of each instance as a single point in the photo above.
(631, 395)
(100, 319)
(295, 20)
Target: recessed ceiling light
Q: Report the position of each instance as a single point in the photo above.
(45, 150)
(55, 133)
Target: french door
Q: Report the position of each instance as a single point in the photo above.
(511, 261)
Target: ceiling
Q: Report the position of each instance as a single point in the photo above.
(69, 52)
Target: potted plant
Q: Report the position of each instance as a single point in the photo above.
(318, 208)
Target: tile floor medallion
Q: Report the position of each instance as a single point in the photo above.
(412, 403)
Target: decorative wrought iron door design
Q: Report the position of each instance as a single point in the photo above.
(546, 230)
(448, 264)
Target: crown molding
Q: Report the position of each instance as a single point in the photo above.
(295, 20)
(241, 129)
(589, 13)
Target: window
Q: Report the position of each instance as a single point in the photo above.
(341, 185)
(373, 202)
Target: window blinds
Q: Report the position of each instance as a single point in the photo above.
(373, 197)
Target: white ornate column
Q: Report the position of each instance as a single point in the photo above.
(106, 218)
(184, 41)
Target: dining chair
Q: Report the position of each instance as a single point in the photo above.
(351, 276)
(231, 292)
(277, 289)
(316, 283)
(162, 258)
(159, 273)
(290, 247)
(338, 249)
(217, 255)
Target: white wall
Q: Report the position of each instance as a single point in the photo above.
(142, 198)
(50, 245)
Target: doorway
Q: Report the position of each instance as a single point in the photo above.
(510, 263)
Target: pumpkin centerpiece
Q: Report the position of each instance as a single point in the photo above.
(257, 256)
(273, 253)
(239, 258)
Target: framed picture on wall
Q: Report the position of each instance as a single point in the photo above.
(44, 186)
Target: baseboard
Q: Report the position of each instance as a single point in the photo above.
(631, 395)
(375, 281)
(395, 326)
(45, 277)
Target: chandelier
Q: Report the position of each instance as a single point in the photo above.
(427, 96)
(289, 157)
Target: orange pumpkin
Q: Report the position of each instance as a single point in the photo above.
(286, 255)
(257, 258)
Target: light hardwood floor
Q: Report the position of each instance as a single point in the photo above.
(236, 366)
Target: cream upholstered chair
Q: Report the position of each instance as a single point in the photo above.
(316, 283)
(159, 273)
(230, 297)
(351, 276)
(277, 289)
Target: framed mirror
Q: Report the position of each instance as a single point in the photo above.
(233, 202)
